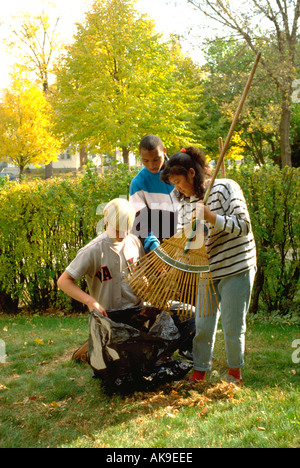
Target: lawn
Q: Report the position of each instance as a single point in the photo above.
(47, 400)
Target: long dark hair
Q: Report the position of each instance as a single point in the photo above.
(180, 164)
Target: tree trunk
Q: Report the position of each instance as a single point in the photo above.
(21, 171)
(285, 146)
(49, 170)
(126, 156)
(83, 156)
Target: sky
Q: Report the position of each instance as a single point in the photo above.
(169, 15)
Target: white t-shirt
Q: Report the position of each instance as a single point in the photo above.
(102, 262)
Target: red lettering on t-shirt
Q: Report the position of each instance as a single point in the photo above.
(104, 274)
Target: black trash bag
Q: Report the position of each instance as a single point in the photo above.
(187, 329)
(127, 357)
(175, 370)
(143, 318)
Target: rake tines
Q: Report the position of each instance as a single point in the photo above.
(168, 274)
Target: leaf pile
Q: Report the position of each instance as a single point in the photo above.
(183, 394)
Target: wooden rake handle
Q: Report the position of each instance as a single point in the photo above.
(226, 144)
(232, 128)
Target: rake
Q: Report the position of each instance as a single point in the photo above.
(178, 270)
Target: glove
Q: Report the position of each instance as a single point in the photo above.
(151, 242)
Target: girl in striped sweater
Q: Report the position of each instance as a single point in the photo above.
(231, 247)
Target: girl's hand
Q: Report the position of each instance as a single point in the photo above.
(204, 212)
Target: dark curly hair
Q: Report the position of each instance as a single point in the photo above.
(180, 164)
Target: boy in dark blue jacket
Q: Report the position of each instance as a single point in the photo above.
(154, 201)
(156, 205)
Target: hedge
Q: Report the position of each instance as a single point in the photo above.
(273, 200)
(42, 226)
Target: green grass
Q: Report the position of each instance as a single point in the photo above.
(46, 400)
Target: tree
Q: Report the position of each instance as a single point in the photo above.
(25, 125)
(260, 23)
(228, 63)
(119, 80)
(34, 39)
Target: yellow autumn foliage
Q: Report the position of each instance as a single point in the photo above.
(236, 151)
(26, 125)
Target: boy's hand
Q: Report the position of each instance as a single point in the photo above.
(94, 305)
(67, 284)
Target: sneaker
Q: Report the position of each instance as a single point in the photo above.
(80, 354)
(231, 379)
(198, 376)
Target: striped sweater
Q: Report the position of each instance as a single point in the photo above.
(230, 243)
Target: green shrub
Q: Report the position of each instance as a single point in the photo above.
(42, 226)
(273, 200)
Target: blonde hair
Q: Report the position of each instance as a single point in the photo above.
(120, 214)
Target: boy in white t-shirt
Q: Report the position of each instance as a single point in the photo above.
(103, 260)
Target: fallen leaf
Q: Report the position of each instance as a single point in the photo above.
(5, 329)
(39, 342)
(261, 428)
(3, 387)
(203, 411)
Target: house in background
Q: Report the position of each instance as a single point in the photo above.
(134, 160)
(67, 161)
(9, 168)
(72, 161)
